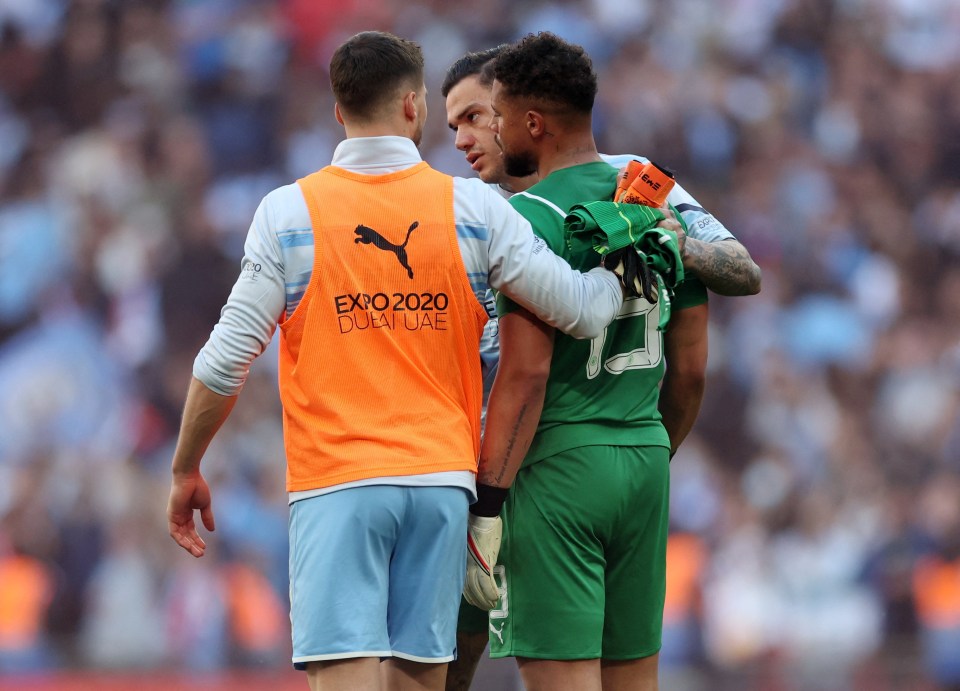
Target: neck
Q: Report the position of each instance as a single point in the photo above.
(514, 185)
(383, 128)
(355, 133)
(565, 151)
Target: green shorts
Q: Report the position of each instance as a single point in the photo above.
(582, 568)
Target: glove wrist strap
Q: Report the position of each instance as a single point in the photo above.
(489, 500)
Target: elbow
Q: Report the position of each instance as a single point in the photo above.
(590, 325)
(698, 385)
(526, 381)
(695, 384)
(586, 329)
(531, 378)
(746, 282)
(754, 279)
(688, 383)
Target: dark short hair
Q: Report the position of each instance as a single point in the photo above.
(545, 68)
(470, 65)
(368, 69)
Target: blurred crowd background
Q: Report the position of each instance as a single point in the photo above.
(816, 505)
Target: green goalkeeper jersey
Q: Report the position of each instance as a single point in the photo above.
(604, 391)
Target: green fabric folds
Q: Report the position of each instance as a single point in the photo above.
(609, 226)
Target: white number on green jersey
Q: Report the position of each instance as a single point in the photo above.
(503, 611)
(644, 357)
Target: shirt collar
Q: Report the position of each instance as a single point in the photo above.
(376, 154)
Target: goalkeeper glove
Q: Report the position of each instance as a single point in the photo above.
(636, 277)
(644, 183)
(483, 546)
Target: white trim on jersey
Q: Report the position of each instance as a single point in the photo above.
(547, 202)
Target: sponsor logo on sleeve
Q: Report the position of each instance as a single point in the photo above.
(250, 271)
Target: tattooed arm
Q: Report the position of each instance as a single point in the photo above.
(721, 263)
(516, 400)
(724, 266)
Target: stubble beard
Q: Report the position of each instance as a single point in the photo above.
(519, 164)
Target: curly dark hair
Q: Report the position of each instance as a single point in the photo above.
(369, 67)
(471, 64)
(546, 68)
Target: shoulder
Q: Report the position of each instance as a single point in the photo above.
(476, 201)
(471, 186)
(544, 216)
(284, 198)
(535, 201)
(476, 190)
(620, 160)
(284, 208)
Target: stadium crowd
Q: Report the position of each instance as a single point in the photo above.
(816, 505)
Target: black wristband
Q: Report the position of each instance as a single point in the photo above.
(489, 500)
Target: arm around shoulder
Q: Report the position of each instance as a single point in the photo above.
(524, 268)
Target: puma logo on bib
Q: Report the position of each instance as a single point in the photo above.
(368, 236)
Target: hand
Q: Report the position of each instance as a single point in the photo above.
(483, 547)
(636, 278)
(189, 492)
(672, 224)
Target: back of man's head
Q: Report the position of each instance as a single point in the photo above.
(547, 70)
(470, 65)
(372, 68)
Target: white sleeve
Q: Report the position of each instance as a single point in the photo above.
(701, 224)
(524, 269)
(250, 316)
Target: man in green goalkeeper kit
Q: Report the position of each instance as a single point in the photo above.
(708, 249)
(581, 569)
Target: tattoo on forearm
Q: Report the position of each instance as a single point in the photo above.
(508, 452)
(726, 268)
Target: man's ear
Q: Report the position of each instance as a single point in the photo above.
(337, 114)
(410, 105)
(536, 125)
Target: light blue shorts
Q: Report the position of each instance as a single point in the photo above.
(377, 571)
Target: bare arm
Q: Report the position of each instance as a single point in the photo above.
(681, 393)
(516, 401)
(711, 252)
(724, 266)
(460, 672)
(203, 414)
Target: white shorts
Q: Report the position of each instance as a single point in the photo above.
(377, 571)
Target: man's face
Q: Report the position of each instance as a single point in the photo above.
(469, 115)
(510, 127)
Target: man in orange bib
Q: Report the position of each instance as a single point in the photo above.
(375, 269)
